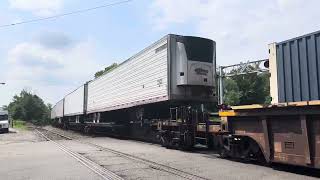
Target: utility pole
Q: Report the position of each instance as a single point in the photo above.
(260, 66)
(220, 79)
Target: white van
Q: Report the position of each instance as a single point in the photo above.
(4, 121)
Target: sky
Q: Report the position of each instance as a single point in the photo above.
(52, 58)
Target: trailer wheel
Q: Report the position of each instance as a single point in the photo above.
(6, 130)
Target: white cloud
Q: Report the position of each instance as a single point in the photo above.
(49, 71)
(38, 7)
(242, 29)
(165, 12)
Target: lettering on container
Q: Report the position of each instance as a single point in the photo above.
(289, 145)
(201, 71)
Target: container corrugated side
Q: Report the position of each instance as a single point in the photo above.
(295, 69)
(142, 79)
(73, 102)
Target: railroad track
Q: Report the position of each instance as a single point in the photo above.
(151, 164)
(96, 168)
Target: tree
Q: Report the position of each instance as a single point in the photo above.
(29, 107)
(232, 93)
(251, 88)
(106, 70)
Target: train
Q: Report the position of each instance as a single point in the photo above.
(161, 95)
(163, 88)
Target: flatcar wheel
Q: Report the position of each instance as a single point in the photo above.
(223, 153)
(166, 143)
(163, 141)
(65, 126)
(86, 130)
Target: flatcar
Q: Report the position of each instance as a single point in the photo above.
(288, 130)
(287, 133)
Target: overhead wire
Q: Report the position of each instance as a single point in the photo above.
(66, 14)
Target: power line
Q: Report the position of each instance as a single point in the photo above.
(66, 14)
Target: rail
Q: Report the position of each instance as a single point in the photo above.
(96, 168)
(152, 164)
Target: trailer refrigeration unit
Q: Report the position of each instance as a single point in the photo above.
(288, 131)
(173, 72)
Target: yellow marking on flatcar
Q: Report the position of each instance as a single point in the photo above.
(314, 103)
(300, 103)
(251, 106)
(227, 113)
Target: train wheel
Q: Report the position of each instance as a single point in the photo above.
(163, 141)
(65, 126)
(223, 153)
(87, 130)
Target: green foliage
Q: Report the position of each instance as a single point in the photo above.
(30, 108)
(18, 124)
(251, 88)
(107, 69)
(232, 93)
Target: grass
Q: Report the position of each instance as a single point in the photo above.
(18, 124)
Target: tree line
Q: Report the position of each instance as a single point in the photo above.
(30, 108)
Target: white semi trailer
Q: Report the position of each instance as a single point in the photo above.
(176, 70)
(4, 121)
